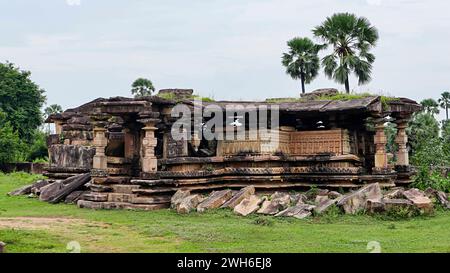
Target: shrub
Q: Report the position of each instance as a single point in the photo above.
(426, 178)
(400, 213)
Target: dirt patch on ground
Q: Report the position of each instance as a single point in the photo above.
(44, 223)
(92, 236)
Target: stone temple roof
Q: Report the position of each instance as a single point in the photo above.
(374, 104)
(369, 104)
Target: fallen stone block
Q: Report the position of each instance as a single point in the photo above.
(58, 191)
(21, 191)
(334, 195)
(177, 197)
(394, 194)
(248, 205)
(356, 201)
(419, 199)
(47, 192)
(278, 201)
(321, 198)
(443, 199)
(2, 247)
(299, 211)
(269, 207)
(397, 204)
(239, 196)
(374, 206)
(189, 203)
(439, 196)
(74, 197)
(29, 188)
(324, 205)
(215, 200)
(36, 189)
(298, 198)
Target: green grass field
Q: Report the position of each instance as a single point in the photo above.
(28, 225)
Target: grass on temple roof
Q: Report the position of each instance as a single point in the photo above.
(29, 225)
(340, 96)
(172, 96)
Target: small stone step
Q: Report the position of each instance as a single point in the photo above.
(96, 197)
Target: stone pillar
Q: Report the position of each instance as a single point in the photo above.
(149, 161)
(100, 143)
(401, 140)
(380, 141)
(58, 127)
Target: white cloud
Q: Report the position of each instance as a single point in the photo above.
(73, 2)
(374, 2)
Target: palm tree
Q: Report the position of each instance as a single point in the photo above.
(444, 102)
(430, 106)
(302, 62)
(351, 38)
(52, 109)
(142, 87)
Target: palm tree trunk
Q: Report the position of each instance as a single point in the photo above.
(302, 78)
(347, 86)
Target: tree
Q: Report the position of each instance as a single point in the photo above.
(302, 62)
(422, 128)
(21, 100)
(444, 102)
(38, 149)
(391, 132)
(430, 106)
(9, 141)
(351, 39)
(52, 109)
(142, 87)
(446, 131)
(430, 153)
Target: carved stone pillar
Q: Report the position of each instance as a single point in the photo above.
(380, 141)
(149, 161)
(100, 143)
(401, 140)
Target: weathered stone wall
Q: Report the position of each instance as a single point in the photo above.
(71, 156)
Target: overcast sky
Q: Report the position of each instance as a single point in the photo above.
(78, 50)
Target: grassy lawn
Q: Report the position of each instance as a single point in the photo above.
(28, 225)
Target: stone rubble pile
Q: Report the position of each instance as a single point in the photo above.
(69, 190)
(369, 199)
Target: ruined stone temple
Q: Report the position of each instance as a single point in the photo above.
(127, 146)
